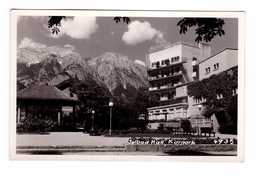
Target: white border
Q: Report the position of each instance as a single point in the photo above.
(241, 83)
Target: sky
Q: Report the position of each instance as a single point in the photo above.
(93, 36)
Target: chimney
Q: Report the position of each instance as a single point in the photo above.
(205, 50)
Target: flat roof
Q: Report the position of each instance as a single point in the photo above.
(216, 54)
(159, 48)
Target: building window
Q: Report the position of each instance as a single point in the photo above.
(162, 63)
(207, 70)
(216, 66)
(167, 62)
(219, 96)
(174, 93)
(158, 64)
(175, 59)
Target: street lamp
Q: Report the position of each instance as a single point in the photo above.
(92, 127)
(197, 124)
(110, 104)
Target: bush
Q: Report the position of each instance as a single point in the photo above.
(36, 124)
(138, 132)
(186, 126)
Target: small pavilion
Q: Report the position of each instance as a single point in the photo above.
(44, 101)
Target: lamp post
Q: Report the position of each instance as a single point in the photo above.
(110, 104)
(92, 125)
(198, 128)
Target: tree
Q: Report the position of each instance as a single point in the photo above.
(91, 96)
(205, 28)
(224, 107)
(124, 19)
(143, 101)
(186, 126)
(54, 23)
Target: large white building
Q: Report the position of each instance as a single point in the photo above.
(170, 69)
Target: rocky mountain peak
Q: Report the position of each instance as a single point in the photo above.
(116, 70)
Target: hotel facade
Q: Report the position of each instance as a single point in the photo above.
(170, 69)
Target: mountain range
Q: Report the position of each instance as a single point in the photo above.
(116, 73)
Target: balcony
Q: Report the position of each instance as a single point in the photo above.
(166, 87)
(175, 100)
(178, 84)
(202, 122)
(164, 98)
(163, 77)
(166, 66)
(153, 88)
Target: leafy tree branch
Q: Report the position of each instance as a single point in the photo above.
(205, 28)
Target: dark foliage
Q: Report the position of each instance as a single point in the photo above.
(136, 132)
(36, 123)
(225, 108)
(54, 23)
(186, 126)
(118, 19)
(205, 28)
(143, 101)
(91, 97)
(125, 115)
(19, 86)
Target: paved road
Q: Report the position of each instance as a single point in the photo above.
(68, 139)
(78, 143)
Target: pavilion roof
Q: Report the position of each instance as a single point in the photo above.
(44, 92)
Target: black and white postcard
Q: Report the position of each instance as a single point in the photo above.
(117, 85)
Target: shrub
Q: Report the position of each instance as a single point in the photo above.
(186, 126)
(36, 124)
